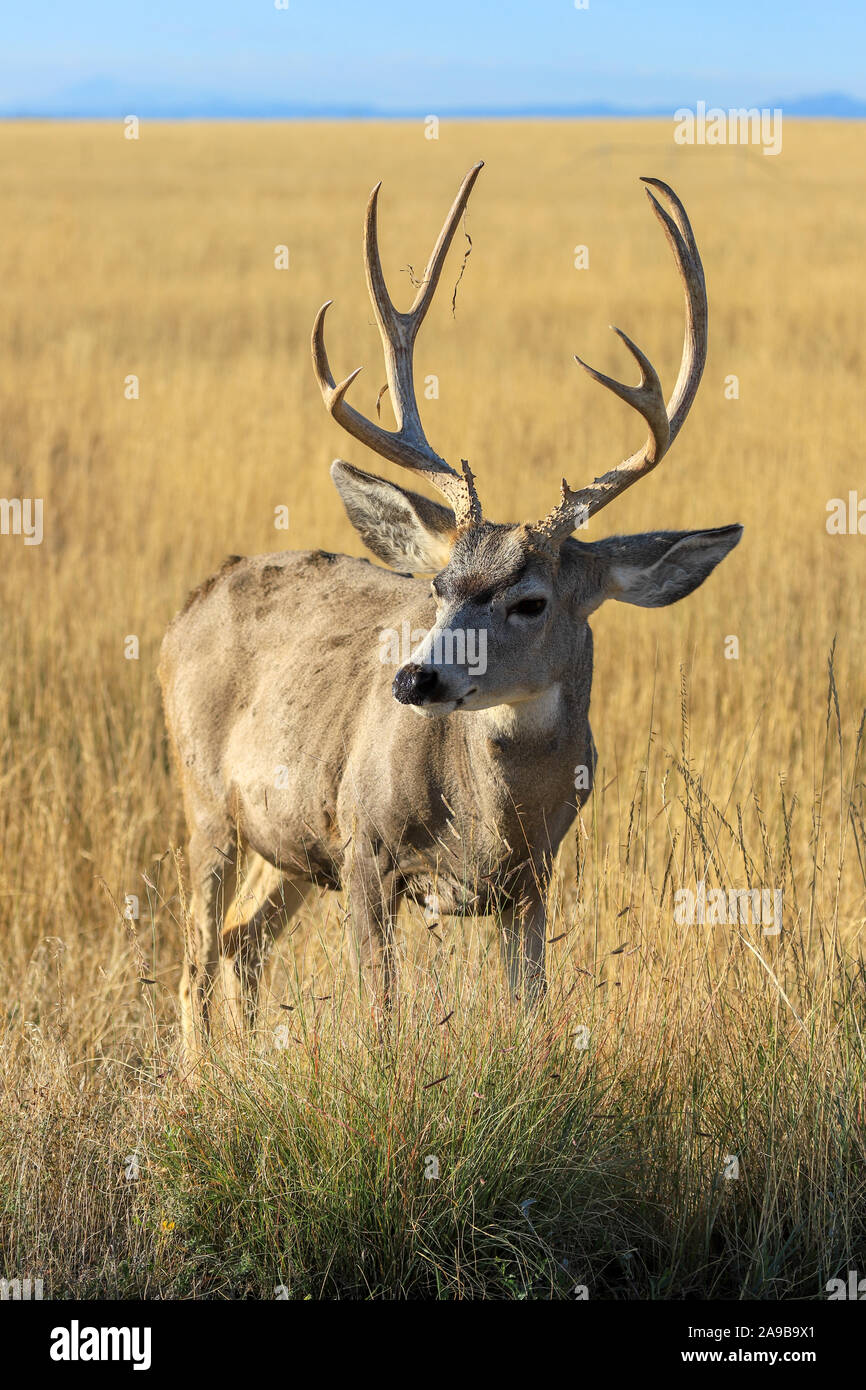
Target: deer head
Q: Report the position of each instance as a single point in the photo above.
(529, 588)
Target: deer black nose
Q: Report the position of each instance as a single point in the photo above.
(413, 684)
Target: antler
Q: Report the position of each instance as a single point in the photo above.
(407, 445)
(665, 421)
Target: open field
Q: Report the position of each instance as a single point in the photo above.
(304, 1165)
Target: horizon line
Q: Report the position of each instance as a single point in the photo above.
(817, 105)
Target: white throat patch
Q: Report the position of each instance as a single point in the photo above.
(536, 715)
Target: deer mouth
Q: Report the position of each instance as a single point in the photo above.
(458, 703)
(439, 707)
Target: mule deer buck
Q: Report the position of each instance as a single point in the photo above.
(275, 664)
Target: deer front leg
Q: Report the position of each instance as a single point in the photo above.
(373, 903)
(522, 929)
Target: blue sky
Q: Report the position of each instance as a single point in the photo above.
(202, 56)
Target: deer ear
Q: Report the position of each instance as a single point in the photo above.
(661, 567)
(402, 528)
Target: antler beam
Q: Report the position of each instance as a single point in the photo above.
(407, 445)
(664, 421)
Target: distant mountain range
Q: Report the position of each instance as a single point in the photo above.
(103, 99)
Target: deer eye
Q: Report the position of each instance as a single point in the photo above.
(528, 607)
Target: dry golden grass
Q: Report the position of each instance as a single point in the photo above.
(156, 258)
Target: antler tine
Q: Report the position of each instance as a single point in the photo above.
(394, 446)
(428, 285)
(664, 420)
(407, 446)
(647, 397)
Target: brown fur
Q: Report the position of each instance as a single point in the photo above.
(294, 754)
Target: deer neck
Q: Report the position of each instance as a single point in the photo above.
(513, 749)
